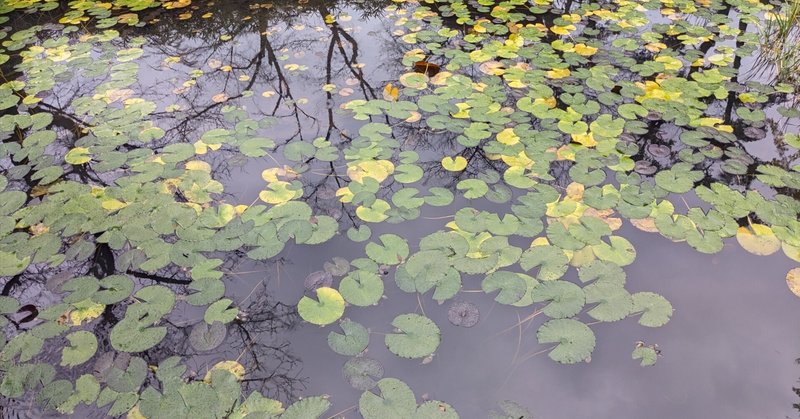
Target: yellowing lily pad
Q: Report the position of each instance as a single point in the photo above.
(456, 164)
(758, 239)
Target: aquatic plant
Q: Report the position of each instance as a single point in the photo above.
(544, 129)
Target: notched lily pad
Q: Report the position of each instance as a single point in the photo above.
(417, 336)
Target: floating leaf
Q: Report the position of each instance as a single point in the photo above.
(456, 164)
(510, 410)
(393, 251)
(793, 281)
(417, 337)
(564, 298)
(82, 346)
(362, 288)
(758, 239)
(220, 312)
(434, 409)
(328, 308)
(354, 340)
(395, 401)
(308, 408)
(646, 354)
(613, 301)
(575, 341)
(656, 310)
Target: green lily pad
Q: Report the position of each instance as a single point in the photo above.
(328, 307)
(396, 401)
(352, 342)
(575, 340)
(417, 336)
(655, 309)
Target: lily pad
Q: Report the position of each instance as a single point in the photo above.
(417, 336)
(575, 340)
(352, 342)
(328, 307)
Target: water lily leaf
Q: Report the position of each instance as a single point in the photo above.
(435, 409)
(656, 310)
(439, 197)
(354, 340)
(575, 340)
(360, 234)
(510, 410)
(308, 408)
(758, 239)
(417, 337)
(219, 312)
(86, 390)
(677, 181)
(552, 262)
(328, 308)
(793, 281)
(620, 251)
(565, 299)
(82, 346)
(602, 272)
(10, 265)
(512, 286)
(463, 313)
(613, 301)
(647, 355)
(209, 290)
(156, 300)
(256, 404)
(456, 164)
(374, 213)
(131, 336)
(396, 401)
(337, 266)
(393, 251)
(113, 289)
(362, 288)
(54, 394)
(205, 338)
(473, 188)
(425, 271)
(318, 279)
(362, 373)
(78, 156)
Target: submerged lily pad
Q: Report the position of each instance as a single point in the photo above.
(362, 373)
(463, 313)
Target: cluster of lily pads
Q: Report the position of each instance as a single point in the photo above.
(554, 126)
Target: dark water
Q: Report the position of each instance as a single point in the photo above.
(728, 352)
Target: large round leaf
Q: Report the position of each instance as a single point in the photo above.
(396, 401)
(352, 342)
(362, 288)
(328, 307)
(417, 336)
(575, 340)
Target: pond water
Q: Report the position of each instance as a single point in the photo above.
(224, 186)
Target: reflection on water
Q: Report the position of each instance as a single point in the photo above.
(726, 352)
